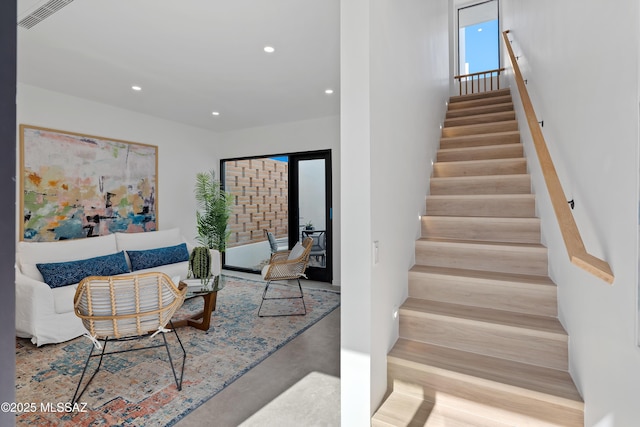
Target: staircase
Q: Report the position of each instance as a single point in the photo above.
(480, 343)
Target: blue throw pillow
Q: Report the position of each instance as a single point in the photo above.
(160, 256)
(57, 274)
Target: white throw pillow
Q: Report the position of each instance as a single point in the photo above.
(296, 252)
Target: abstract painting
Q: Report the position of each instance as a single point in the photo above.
(75, 186)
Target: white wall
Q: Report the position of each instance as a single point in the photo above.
(312, 193)
(581, 62)
(305, 135)
(394, 79)
(182, 150)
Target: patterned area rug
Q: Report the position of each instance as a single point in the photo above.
(138, 388)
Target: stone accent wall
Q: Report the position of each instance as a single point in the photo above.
(260, 188)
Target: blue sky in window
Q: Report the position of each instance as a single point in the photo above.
(481, 47)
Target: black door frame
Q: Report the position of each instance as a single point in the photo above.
(314, 273)
(322, 274)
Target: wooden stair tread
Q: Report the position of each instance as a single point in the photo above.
(480, 95)
(480, 118)
(480, 127)
(489, 276)
(469, 111)
(481, 161)
(483, 219)
(475, 102)
(539, 382)
(490, 135)
(401, 409)
(481, 205)
(482, 197)
(480, 167)
(482, 184)
(479, 150)
(535, 324)
(494, 229)
(478, 178)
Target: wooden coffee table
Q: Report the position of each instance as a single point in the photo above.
(201, 320)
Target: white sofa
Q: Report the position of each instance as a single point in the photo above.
(45, 314)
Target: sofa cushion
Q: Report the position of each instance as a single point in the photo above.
(159, 256)
(32, 253)
(58, 274)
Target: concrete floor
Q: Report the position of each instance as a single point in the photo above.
(315, 350)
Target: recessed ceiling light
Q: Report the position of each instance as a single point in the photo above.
(479, 30)
(136, 88)
(328, 91)
(215, 113)
(269, 49)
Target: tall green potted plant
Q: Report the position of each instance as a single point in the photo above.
(214, 208)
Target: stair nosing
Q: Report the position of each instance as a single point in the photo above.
(482, 218)
(481, 243)
(485, 196)
(481, 177)
(491, 277)
(479, 147)
(482, 161)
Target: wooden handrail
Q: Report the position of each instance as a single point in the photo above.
(470, 77)
(570, 234)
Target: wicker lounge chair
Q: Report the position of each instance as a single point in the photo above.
(287, 265)
(123, 308)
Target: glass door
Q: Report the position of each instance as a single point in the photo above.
(310, 209)
(278, 201)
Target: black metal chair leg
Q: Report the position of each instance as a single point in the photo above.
(104, 347)
(184, 358)
(264, 298)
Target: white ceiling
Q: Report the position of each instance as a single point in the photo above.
(190, 57)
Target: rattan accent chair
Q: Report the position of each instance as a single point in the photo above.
(124, 308)
(285, 266)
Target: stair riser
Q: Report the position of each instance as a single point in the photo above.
(525, 230)
(486, 109)
(481, 399)
(504, 259)
(479, 129)
(460, 105)
(480, 168)
(468, 206)
(518, 344)
(479, 140)
(506, 151)
(480, 118)
(511, 184)
(509, 296)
